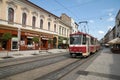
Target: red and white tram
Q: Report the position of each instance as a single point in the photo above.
(82, 44)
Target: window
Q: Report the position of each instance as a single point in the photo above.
(60, 30)
(75, 39)
(33, 21)
(54, 27)
(41, 24)
(48, 25)
(92, 41)
(10, 15)
(84, 40)
(65, 31)
(24, 16)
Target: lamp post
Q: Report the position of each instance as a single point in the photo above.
(19, 38)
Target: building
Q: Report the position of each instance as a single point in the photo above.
(74, 26)
(115, 31)
(71, 22)
(117, 23)
(31, 26)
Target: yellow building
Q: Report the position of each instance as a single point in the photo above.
(30, 26)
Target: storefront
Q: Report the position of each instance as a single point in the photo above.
(22, 41)
(26, 40)
(46, 41)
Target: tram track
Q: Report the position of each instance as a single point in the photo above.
(62, 72)
(14, 69)
(11, 62)
(52, 70)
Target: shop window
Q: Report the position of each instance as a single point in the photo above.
(33, 22)
(24, 17)
(29, 41)
(10, 15)
(41, 24)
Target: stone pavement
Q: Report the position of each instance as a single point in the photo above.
(27, 53)
(105, 67)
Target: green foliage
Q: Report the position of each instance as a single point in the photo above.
(35, 39)
(6, 36)
(49, 41)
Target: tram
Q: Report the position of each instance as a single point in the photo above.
(82, 44)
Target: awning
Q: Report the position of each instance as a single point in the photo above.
(114, 41)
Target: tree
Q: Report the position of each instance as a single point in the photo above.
(6, 36)
(35, 39)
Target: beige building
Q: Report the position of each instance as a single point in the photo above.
(30, 26)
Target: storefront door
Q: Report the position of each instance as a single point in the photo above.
(14, 44)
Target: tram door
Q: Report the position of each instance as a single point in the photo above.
(88, 45)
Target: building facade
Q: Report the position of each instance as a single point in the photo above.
(31, 26)
(117, 24)
(115, 31)
(74, 26)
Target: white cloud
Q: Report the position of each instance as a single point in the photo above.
(109, 27)
(91, 21)
(110, 10)
(110, 19)
(101, 32)
(110, 14)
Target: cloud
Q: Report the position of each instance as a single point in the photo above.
(109, 10)
(101, 32)
(110, 14)
(110, 19)
(109, 27)
(91, 21)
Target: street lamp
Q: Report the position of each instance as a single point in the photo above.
(19, 38)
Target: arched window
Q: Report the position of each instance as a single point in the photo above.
(48, 25)
(41, 24)
(33, 21)
(24, 17)
(54, 27)
(10, 15)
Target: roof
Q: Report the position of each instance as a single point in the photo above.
(82, 33)
(34, 5)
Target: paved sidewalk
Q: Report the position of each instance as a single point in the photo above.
(105, 67)
(17, 54)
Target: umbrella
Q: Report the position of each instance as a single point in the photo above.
(114, 41)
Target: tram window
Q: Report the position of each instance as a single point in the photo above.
(75, 39)
(84, 39)
(92, 41)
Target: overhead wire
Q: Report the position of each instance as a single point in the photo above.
(66, 9)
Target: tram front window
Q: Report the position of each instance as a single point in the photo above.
(75, 39)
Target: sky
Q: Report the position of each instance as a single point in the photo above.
(100, 14)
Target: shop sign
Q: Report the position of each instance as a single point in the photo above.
(22, 43)
(43, 38)
(29, 34)
(64, 41)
